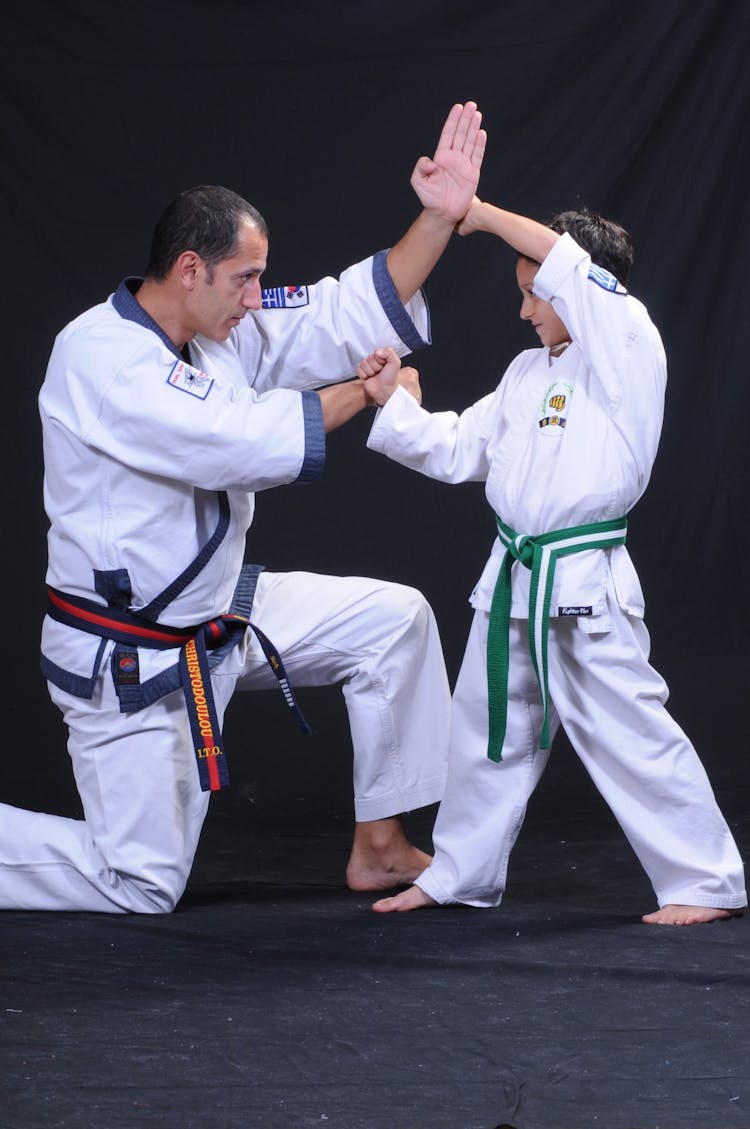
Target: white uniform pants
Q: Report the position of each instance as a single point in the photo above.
(611, 704)
(136, 773)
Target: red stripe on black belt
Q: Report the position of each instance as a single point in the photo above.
(195, 674)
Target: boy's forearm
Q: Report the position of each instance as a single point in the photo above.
(529, 238)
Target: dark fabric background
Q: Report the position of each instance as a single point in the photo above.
(273, 997)
(317, 111)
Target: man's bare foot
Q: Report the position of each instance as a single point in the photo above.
(688, 915)
(382, 857)
(413, 898)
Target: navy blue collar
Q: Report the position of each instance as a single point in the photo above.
(127, 306)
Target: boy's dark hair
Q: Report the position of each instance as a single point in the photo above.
(205, 219)
(608, 243)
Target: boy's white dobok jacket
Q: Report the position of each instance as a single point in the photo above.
(561, 442)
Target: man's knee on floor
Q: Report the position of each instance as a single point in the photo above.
(149, 893)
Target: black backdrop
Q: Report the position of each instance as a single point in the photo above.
(316, 111)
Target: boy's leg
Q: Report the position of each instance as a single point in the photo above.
(382, 642)
(485, 802)
(645, 768)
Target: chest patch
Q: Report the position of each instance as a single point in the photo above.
(553, 414)
(285, 297)
(189, 379)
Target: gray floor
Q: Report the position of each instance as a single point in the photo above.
(274, 998)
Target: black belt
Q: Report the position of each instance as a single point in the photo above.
(128, 628)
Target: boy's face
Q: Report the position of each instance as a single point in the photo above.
(542, 316)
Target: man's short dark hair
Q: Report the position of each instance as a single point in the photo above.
(607, 242)
(205, 219)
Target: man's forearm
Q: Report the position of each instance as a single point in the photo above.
(412, 259)
(340, 402)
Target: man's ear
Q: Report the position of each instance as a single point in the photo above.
(187, 267)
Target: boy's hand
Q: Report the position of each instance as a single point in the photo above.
(379, 374)
(408, 378)
(447, 182)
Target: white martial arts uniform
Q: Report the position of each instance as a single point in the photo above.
(565, 442)
(140, 445)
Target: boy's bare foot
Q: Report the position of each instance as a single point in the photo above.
(688, 915)
(382, 857)
(413, 898)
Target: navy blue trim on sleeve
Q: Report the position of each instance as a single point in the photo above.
(315, 437)
(394, 307)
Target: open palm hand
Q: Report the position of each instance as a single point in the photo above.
(447, 182)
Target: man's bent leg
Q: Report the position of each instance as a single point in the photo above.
(382, 642)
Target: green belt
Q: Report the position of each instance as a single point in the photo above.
(539, 554)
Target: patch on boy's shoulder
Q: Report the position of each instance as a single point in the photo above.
(606, 280)
(285, 297)
(189, 379)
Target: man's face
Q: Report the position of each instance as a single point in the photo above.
(223, 295)
(541, 314)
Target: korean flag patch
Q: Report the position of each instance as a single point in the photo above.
(189, 379)
(606, 280)
(285, 297)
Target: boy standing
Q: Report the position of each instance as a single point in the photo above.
(565, 446)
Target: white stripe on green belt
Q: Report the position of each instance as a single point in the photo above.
(540, 554)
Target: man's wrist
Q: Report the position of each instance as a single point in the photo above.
(442, 224)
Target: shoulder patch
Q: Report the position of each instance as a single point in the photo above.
(285, 297)
(189, 379)
(606, 280)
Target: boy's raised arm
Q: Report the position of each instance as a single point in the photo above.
(529, 238)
